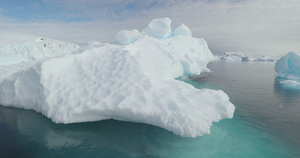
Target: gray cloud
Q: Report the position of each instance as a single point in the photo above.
(110, 10)
(261, 27)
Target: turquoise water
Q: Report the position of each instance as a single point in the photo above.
(266, 124)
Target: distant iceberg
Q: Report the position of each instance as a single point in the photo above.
(288, 66)
(264, 58)
(133, 82)
(288, 69)
(235, 56)
(239, 56)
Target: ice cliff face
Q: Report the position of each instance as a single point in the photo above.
(131, 82)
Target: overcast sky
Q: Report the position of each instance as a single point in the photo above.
(270, 27)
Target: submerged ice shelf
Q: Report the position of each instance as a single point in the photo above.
(130, 82)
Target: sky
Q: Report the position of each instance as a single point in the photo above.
(258, 27)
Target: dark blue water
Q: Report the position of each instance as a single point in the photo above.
(266, 124)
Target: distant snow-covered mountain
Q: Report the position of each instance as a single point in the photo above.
(19, 47)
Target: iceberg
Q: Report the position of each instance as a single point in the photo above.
(288, 70)
(239, 56)
(133, 82)
(288, 66)
(264, 58)
(232, 56)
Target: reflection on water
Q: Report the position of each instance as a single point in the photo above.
(123, 137)
(264, 121)
(42, 138)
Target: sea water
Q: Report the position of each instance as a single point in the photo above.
(266, 124)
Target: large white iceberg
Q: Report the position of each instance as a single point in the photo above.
(133, 82)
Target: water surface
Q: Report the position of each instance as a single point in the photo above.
(266, 124)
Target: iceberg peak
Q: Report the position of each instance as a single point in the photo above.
(124, 36)
(158, 28)
(182, 30)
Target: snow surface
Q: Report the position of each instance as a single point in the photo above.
(17, 47)
(133, 82)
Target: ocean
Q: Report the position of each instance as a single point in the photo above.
(266, 124)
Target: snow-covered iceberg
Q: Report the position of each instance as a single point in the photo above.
(288, 69)
(235, 56)
(239, 56)
(132, 82)
(17, 47)
(264, 58)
